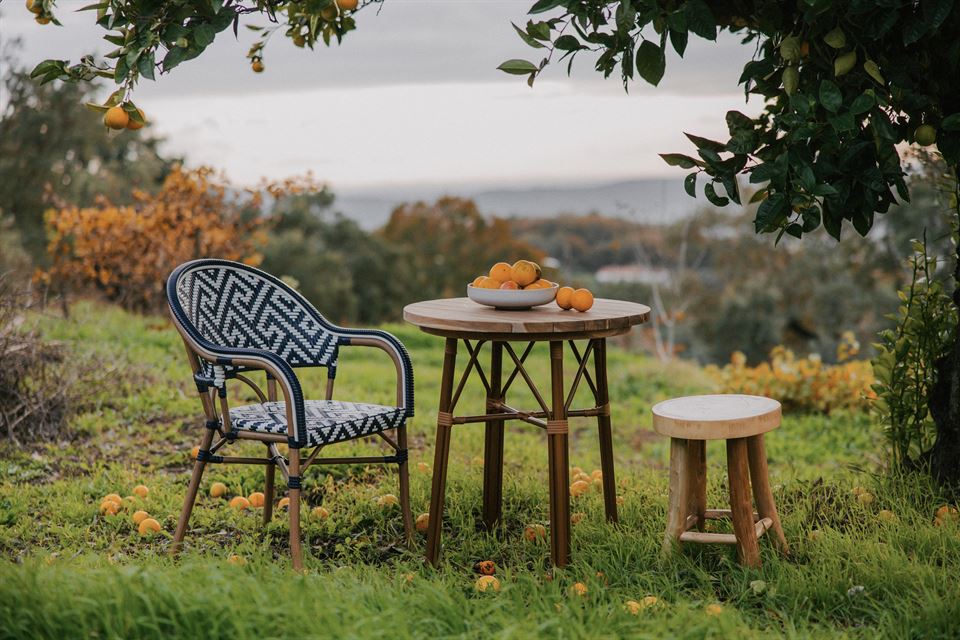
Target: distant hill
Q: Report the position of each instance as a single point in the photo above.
(647, 201)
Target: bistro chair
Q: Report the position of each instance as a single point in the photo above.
(234, 320)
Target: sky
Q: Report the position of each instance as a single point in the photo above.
(413, 98)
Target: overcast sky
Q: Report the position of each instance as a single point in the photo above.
(413, 97)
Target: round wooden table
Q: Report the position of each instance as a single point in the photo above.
(461, 319)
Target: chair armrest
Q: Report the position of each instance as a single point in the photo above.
(397, 352)
(258, 359)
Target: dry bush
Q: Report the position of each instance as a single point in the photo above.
(126, 252)
(40, 382)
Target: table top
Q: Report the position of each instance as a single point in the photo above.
(462, 317)
(718, 416)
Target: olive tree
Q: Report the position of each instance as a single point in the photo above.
(842, 83)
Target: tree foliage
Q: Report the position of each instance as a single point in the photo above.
(148, 37)
(450, 243)
(841, 84)
(51, 154)
(127, 252)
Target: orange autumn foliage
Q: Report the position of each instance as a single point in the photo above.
(126, 252)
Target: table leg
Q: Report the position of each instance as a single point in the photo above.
(442, 452)
(493, 445)
(559, 464)
(605, 431)
(741, 507)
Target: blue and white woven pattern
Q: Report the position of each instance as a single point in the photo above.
(327, 421)
(241, 309)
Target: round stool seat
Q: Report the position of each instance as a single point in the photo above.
(716, 417)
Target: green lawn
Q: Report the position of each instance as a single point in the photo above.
(70, 572)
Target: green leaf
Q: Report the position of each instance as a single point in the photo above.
(680, 160)
(100, 108)
(146, 64)
(844, 63)
(204, 34)
(830, 96)
(862, 103)
(706, 143)
(518, 67)
(836, 38)
(951, 123)
(544, 5)
(700, 19)
(790, 49)
(873, 71)
(690, 184)
(568, 43)
(679, 41)
(791, 80)
(715, 200)
(527, 39)
(651, 62)
(770, 213)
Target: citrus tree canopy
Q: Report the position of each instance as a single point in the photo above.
(841, 84)
(150, 37)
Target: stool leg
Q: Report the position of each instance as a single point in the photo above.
(741, 508)
(493, 446)
(766, 507)
(697, 473)
(679, 494)
(559, 464)
(442, 452)
(605, 431)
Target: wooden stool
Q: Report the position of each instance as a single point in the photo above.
(741, 421)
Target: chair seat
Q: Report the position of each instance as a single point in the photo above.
(716, 417)
(328, 421)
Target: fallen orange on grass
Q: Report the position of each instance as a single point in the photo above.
(579, 488)
(284, 503)
(485, 567)
(487, 582)
(237, 560)
(148, 526)
(713, 610)
(218, 490)
(423, 522)
(423, 467)
(534, 531)
(387, 500)
(240, 503)
(109, 508)
(140, 516)
(320, 513)
(114, 497)
(256, 499)
(141, 490)
(578, 589)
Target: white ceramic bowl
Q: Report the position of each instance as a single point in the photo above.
(512, 298)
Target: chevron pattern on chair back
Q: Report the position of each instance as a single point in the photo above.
(241, 307)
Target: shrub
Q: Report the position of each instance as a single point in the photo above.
(803, 384)
(126, 252)
(906, 355)
(38, 381)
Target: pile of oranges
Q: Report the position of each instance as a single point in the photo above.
(522, 274)
(525, 275)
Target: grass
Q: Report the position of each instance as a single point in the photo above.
(70, 572)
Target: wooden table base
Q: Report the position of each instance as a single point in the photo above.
(552, 416)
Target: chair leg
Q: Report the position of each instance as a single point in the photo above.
(741, 507)
(403, 470)
(442, 452)
(558, 462)
(697, 474)
(191, 497)
(766, 506)
(294, 494)
(268, 490)
(493, 446)
(605, 431)
(679, 500)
